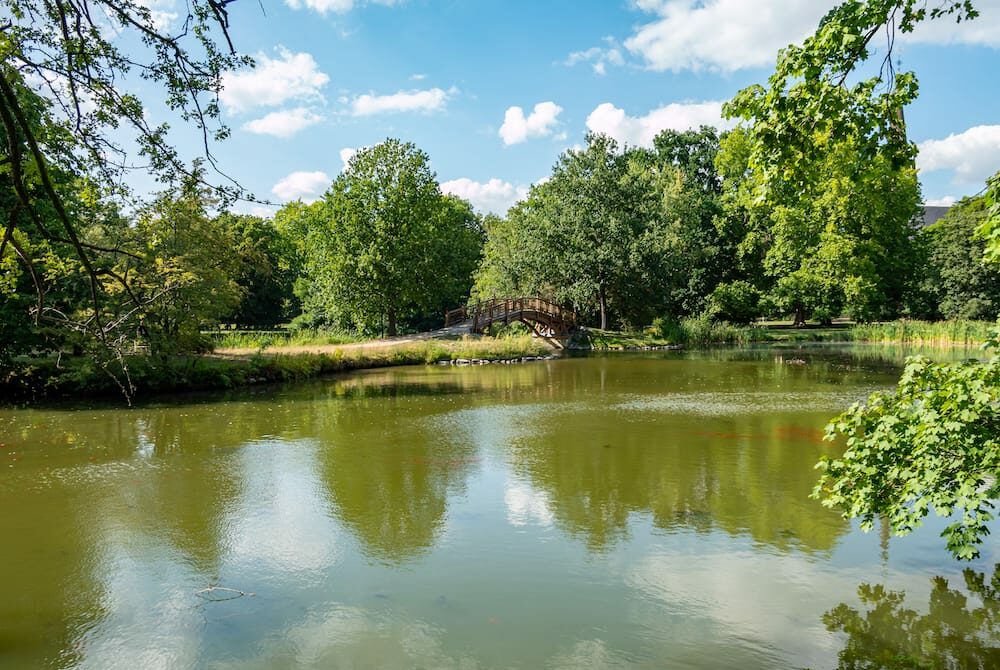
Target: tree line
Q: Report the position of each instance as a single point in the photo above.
(624, 235)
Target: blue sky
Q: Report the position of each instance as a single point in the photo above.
(335, 75)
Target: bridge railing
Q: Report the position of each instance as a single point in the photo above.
(485, 312)
(456, 316)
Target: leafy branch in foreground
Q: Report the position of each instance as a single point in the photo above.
(933, 442)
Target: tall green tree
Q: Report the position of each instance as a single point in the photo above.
(267, 269)
(622, 234)
(390, 246)
(182, 280)
(933, 443)
(962, 286)
(577, 235)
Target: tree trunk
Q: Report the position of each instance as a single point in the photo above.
(391, 317)
(602, 297)
(800, 317)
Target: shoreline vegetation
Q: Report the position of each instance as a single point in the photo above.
(246, 358)
(699, 332)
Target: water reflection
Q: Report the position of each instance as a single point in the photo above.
(389, 472)
(748, 473)
(961, 628)
(609, 511)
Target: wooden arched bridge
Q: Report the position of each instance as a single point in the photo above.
(544, 317)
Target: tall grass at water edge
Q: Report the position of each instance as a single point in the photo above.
(264, 339)
(924, 333)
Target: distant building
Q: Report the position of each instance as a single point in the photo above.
(932, 213)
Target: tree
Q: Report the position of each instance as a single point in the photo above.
(933, 442)
(963, 287)
(182, 279)
(267, 270)
(572, 237)
(389, 246)
(624, 234)
(842, 240)
(77, 119)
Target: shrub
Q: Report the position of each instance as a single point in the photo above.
(736, 302)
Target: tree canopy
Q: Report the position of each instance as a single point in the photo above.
(385, 244)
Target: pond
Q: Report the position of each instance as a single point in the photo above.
(627, 511)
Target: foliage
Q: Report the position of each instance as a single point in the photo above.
(621, 234)
(933, 442)
(62, 146)
(989, 231)
(842, 241)
(736, 302)
(832, 189)
(810, 100)
(954, 633)
(268, 266)
(182, 280)
(962, 286)
(385, 244)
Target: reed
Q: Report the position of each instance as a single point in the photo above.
(951, 333)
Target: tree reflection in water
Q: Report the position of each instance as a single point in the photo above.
(960, 630)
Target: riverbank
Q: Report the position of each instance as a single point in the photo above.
(700, 333)
(76, 378)
(286, 362)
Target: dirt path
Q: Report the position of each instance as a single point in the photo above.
(451, 332)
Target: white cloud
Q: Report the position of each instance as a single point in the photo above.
(305, 186)
(721, 35)
(495, 196)
(946, 201)
(336, 6)
(974, 155)
(730, 35)
(291, 76)
(598, 57)
(984, 30)
(640, 130)
(161, 12)
(284, 123)
(346, 154)
(517, 127)
(430, 100)
(527, 506)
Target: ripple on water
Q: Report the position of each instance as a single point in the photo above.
(90, 474)
(745, 402)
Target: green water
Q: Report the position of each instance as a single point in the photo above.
(627, 511)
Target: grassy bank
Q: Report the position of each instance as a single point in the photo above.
(700, 333)
(687, 332)
(82, 378)
(263, 339)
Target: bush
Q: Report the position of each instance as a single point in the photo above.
(702, 330)
(736, 302)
